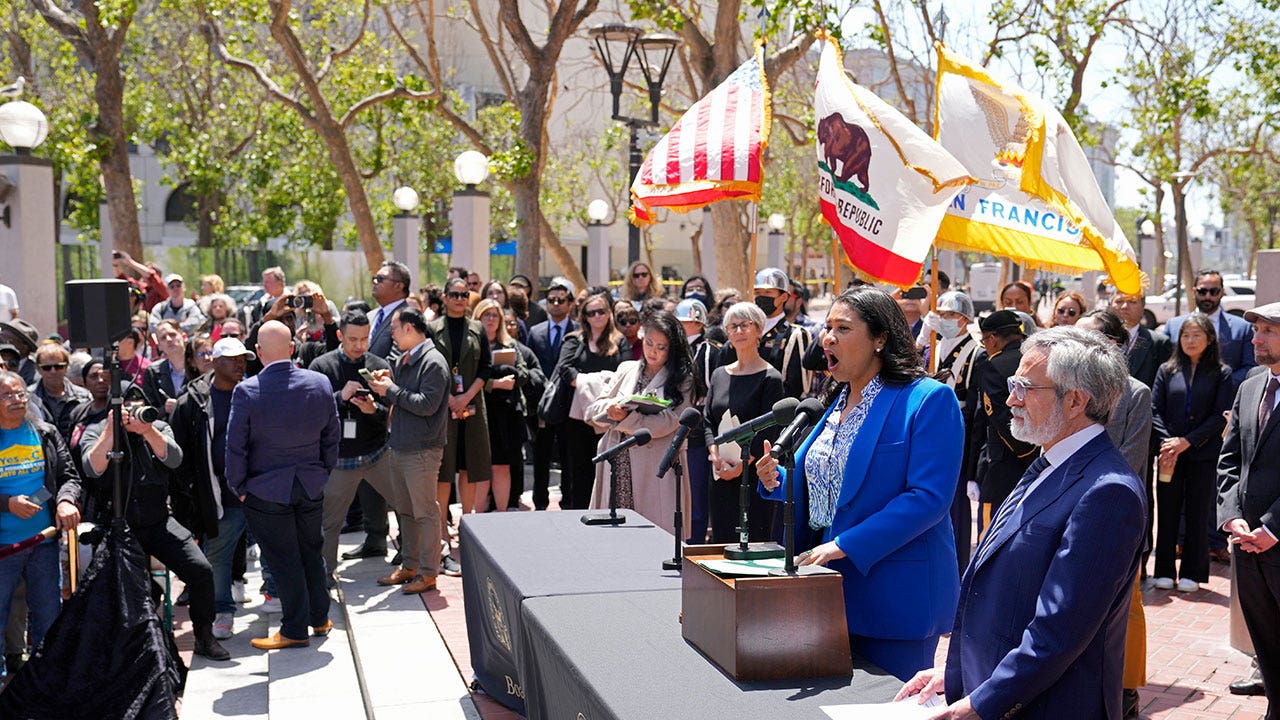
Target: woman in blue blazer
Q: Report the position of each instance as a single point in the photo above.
(876, 477)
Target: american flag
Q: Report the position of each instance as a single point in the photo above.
(713, 153)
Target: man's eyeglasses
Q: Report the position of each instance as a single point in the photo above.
(457, 295)
(381, 278)
(557, 300)
(12, 396)
(54, 366)
(595, 313)
(1069, 312)
(1019, 387)
(1210, 291)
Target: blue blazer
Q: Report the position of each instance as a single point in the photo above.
(1235, 342)
(1043, 610)
(893, 518)
(283, 427)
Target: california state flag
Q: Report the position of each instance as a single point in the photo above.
(884, 184)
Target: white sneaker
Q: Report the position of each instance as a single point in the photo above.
(237, 592)
(252, 552)
(270, 605)
(222, 626)
(1164, 583)
(1187, 585)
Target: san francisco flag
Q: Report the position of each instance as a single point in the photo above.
(883, 183)
(713, 153)
(1036, 200)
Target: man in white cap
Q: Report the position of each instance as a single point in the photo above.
(177, 307)
(1249, 498)
(783, 344)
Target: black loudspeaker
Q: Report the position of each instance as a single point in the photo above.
(97, 312)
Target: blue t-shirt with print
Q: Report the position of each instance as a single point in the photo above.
(22, 473)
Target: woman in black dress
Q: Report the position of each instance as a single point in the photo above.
(739, 392)
(502, 401)
(595, 346)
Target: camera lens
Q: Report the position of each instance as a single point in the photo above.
(144, 413)
(298, 301)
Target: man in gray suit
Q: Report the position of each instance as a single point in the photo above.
(1249, 498)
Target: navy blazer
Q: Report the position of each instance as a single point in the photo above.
(1235, 342)
(1211, 394)
(283, 427)
(380, 342)
(893, 518)
(1041, 623)
(540, 343)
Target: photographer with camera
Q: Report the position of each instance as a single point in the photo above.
(150, 454)
(287, 309)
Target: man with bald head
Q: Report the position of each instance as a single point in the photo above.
(282, 443)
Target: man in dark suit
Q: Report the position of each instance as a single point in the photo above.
(996, 458)
(1249, 498)
(1040, 628)
(282, 443)
(390, 288)
(545, 340)
(1235, 334)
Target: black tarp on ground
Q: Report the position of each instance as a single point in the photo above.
(108, 654)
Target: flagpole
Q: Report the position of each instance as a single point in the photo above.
(933, 290)
(835, 262)
(755, 209)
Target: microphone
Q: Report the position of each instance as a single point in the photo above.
(781, 414)
(690, 419)
(641, 437)
(806, 415)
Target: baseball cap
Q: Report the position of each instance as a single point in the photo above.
(1269, 313)
(1002, 320)
(172, 277)
(231, 347)
(691, 310)
(562, 283)
(772, 278)
(956, 301)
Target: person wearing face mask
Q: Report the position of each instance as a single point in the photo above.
(698, 288)
(783, 343)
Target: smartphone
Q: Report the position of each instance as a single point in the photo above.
(364, 373)
(364, 393)
(41, 496)
(916, 292)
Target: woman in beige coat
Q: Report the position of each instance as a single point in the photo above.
(666, 371)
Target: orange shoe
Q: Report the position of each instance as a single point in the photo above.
(322, 630)
(399, 577)
(420, 584)
(278, 642)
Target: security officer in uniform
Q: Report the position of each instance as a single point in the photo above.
(783, 344)
(996, 460)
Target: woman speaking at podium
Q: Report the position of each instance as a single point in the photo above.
(874, 482)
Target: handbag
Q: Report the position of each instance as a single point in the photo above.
(553, 407)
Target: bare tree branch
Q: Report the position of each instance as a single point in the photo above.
(213, 35)
(355, 42)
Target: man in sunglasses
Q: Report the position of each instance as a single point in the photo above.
(545, 339)
(1235, 335)
(58, 395)
(390, 288)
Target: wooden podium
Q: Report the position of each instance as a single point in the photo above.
(764, 628)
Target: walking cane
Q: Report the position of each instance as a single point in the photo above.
(73, 555)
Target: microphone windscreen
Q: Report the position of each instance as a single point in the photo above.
(811, 408)
(785, 410)
(691, 418)
(642, 437)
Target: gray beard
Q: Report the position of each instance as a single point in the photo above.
(1039, 435)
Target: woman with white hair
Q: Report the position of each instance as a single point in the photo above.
(216, 308)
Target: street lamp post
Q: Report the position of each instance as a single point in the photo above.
(776, 243)
(406, 228)
(470, 215)
(597, 246)
(616, 45)
(28, 219)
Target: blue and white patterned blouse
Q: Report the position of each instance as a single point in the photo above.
(827, 456)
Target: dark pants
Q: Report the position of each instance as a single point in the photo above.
(544, 451)
(1258, 579)
(172, 544)
(290, 539)
(962, 524)
(1187, 497)
(577, 472)
(374, 508)
(698, 467)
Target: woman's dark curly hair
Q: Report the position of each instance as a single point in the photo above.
(900, 359)
(679, 360)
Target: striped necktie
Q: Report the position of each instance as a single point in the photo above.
(1011, 502)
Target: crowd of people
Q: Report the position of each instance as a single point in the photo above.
(287, 420)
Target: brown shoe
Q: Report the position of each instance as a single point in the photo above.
(322, 630)
(277, 642)
(420, 584)
(399, 577)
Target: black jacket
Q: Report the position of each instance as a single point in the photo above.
(371, 430)
(999, 458)
(193, 485)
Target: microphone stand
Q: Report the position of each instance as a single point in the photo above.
(787, 461)
(747, 550)
(116, 409)
(675, 562)
(612, 518)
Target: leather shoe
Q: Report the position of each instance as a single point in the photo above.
(399, 577)
(1130, 704)
(1249, 686)
(364, 551)
(420, 584)
(322, 630)
(209, 647)
(277, 642)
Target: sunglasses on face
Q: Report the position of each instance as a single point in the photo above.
(557, 301)
(205, 354)
(639, 275)
(1211, 291)
(1069, 312)
(595, 313)
(457, 295)
(628, 322)
(55, 366)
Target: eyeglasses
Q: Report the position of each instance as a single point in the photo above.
(639, 275)
(457, 295)
(738, 327)
(381, 279)
(1210, 291)
(628, 322)
(595, 313)
(1069, 312)
(11, 396)
(557, 300)
(55, 366)
(1019, 387)
(205, 354)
